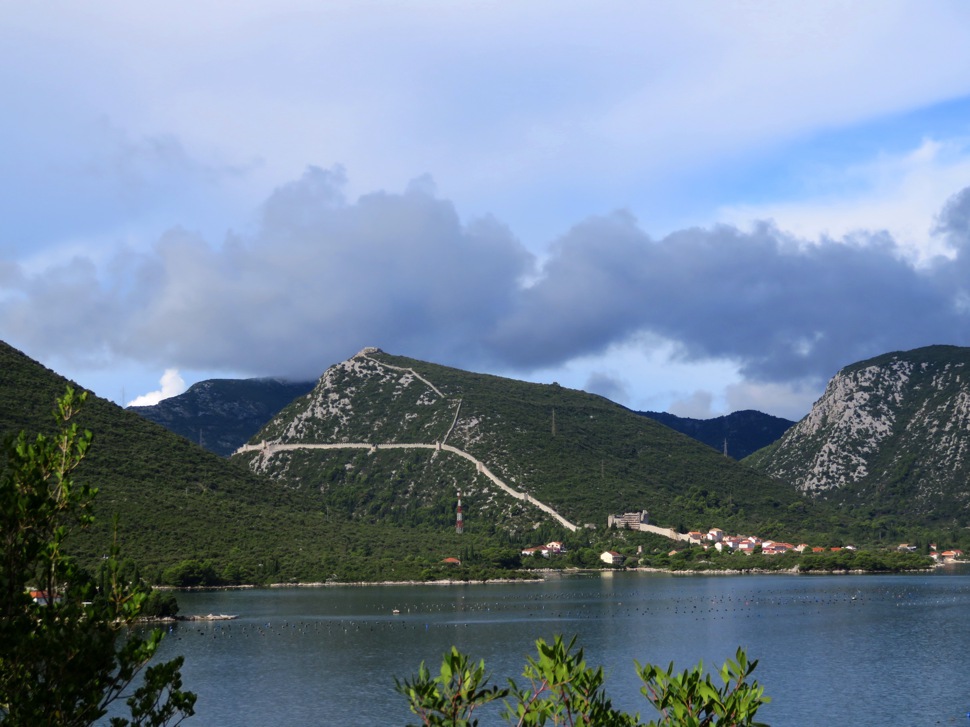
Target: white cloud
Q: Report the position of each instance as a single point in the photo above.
(172, 385)
(899, 193)
(139, 133)
(608, 109)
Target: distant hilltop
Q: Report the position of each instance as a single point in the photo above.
(390, 435)
(890, 436)
(737, 435)
(223, 414)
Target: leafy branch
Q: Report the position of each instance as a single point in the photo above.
(563, 690)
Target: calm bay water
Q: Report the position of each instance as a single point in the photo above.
(832, 650)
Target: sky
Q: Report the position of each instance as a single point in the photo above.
(696, 207)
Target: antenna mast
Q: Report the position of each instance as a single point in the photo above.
(459, 522)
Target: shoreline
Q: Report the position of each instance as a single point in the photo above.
(544, 573)
(362, 584)
(191, 618)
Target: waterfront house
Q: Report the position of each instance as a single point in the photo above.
(772, 548)
(42, 598)
(611, 557)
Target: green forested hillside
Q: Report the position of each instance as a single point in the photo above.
(581, 454)
(176, 502)
(379, 513)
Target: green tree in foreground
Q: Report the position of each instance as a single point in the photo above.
(563, 690)
(69, 650)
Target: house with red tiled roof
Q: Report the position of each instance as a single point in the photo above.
(451, 561)
(41, 597)
(553, 548)
(771, 548)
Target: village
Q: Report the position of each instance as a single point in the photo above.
(716, 538)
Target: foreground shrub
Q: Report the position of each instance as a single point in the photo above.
(563, 690)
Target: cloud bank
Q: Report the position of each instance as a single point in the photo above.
(320, 276)
(172, 384)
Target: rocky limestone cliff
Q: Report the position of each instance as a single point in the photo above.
(892, 432)
(364, 400)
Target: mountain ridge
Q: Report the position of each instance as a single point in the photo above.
(583, 455)
(737, 434)
(381, 512)
(889, 434)
(222, 414)
(189, 517)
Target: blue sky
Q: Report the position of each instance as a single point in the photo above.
(697, 207)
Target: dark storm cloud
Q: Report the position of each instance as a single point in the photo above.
(322, 278)
(784, 310)
(319, 277)
(63, 310)
(953, 225)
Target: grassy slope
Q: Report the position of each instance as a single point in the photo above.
(605, 458)
(601, 459)
(177, 501)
